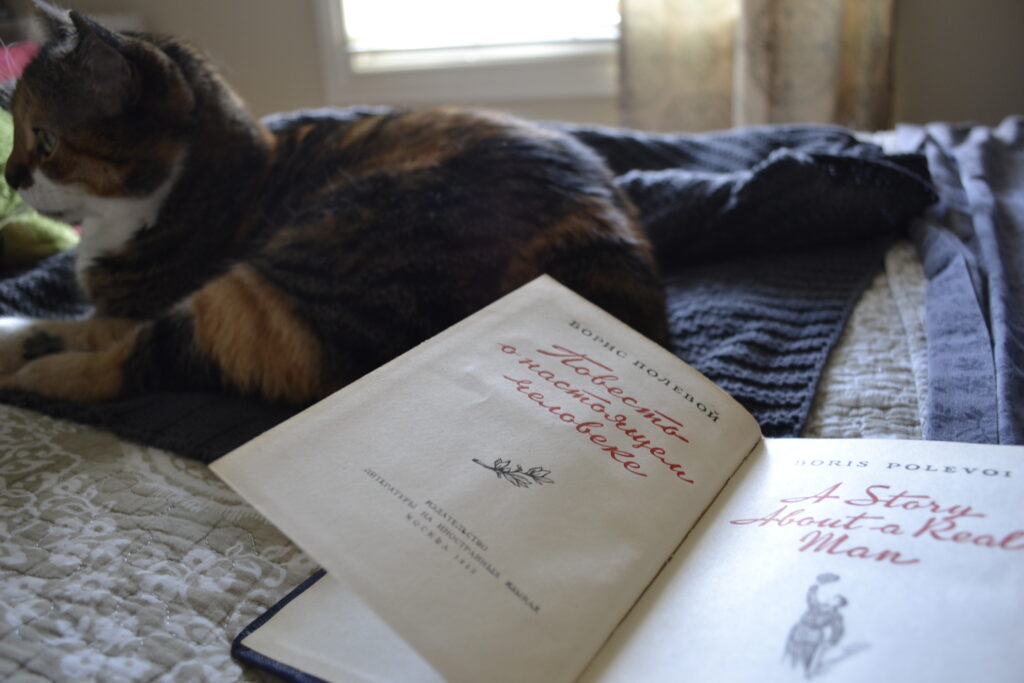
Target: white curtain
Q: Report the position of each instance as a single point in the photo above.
(691, 65)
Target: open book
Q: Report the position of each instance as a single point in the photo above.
(541, 494)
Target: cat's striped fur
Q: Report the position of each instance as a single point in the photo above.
(285, 263)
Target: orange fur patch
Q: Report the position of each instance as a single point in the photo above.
(303, 131)
(417, 140)
(573, 230)
(81, 376)
(245, 326)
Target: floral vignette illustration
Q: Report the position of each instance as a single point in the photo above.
(516, 475)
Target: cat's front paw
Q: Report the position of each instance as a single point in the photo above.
(79, 376)
(14, 332)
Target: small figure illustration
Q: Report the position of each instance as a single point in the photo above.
(818, 632)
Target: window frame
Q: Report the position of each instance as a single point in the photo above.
(570, 71)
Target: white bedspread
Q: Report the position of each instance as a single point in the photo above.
(120, 562)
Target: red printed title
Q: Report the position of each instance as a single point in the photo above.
(881, 511)
(597, 407)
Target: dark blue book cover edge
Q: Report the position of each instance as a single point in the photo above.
(255, 659)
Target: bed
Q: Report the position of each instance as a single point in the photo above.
(895, 275)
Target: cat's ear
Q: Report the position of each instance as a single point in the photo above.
(108, 73)
(55, 23)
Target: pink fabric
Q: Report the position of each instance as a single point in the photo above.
(14, 58)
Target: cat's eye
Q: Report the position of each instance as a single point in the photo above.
(45, 142)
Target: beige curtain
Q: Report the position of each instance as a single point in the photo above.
(691, 65)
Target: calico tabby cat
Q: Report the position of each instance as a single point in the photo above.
(220, 254)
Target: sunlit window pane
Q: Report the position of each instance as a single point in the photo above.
(387, 25)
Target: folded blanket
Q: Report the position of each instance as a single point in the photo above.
(972, 246)
(766, 237)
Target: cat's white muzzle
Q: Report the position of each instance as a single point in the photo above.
(61, 202)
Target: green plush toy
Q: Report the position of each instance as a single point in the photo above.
(26, 236)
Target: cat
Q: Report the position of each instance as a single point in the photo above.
(222, 255)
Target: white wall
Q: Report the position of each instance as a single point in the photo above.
(954, 59)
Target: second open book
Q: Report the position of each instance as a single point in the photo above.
(542, 494)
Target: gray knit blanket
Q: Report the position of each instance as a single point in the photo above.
(766, 237)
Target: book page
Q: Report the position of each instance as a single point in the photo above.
(845, 560)
(502, 494)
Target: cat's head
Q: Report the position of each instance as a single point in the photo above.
(99, 117)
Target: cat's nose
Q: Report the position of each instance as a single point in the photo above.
(17, 175)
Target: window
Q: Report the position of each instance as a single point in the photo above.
(423, 51)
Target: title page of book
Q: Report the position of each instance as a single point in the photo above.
(503, 493)
(842, 561)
